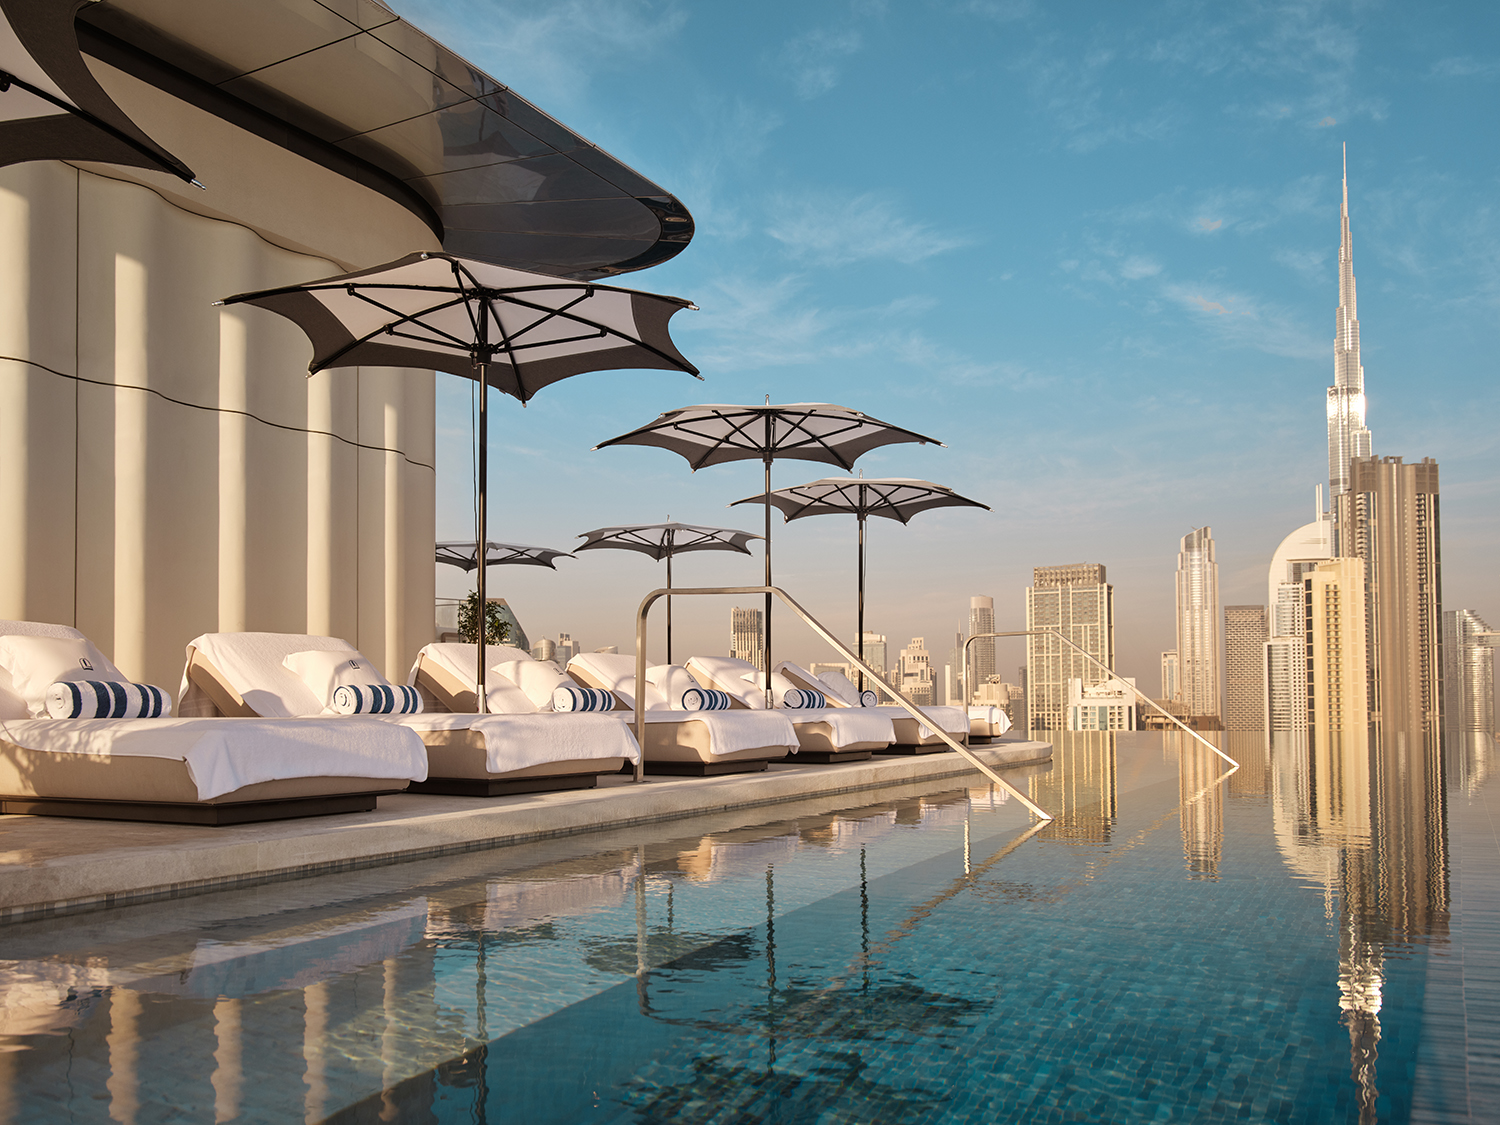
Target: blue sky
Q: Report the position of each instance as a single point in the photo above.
(1090, 246)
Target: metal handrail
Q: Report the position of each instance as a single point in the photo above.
(1055, 632)
(837, 645)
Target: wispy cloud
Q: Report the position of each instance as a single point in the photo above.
(831, 231)
(1073, 91)
(1466, 66)
(814, 58)
(733, 134)
(1001, 11)
(1222, 209)
(1241, 321)
(551, 50)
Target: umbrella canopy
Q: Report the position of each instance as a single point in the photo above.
(662, 541)
(504, 328)
(803, 431)
(51, 108)
(464, 554)
(897, 498)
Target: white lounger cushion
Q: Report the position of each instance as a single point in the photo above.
(616, 672)
(513, 742)
(323, 671)
(253, 664)
(840, 687)
(994, 716)
(729, 732)
(538, 679)
(32, 662)
(738, 677)
(227, 754)
(458, 660)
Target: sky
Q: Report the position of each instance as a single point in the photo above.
(1091, 247)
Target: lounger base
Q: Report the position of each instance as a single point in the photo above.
(501, 786)
(707, 769)
(830, 757)
(909, 748)
(215, 816)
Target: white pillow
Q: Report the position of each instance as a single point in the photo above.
(537, 678)
(327, 670)
(749, 690)
(841, 687)
(503, 697)
(671, 680)
(780, 685)
(36, 663)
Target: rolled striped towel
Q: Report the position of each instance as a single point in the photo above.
(376, 699)
(106, 699)
(869, 699)
(570, 698)
(799, 698)
(705, 699)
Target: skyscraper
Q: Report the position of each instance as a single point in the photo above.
(1198, 623)
(1337, 673)
(875, 651)
(1468, 673)
(1076, 600)
(744, 635)
(1171, 678)
(1245, 635)
(1389, 519)
(1286, 648)
(916, 672)
(981, 653)
(1348, 437)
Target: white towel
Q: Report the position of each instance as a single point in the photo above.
(376, 699)
(513, 742)
(705, 699)
(570, 697)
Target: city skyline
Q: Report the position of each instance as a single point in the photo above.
(1166, 265)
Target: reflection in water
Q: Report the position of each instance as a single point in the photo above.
(1363, 813)
(1199, 789)
(1080, 791)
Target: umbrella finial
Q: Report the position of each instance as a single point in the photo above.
(768, 400)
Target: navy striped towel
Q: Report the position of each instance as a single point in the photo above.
(705, 699)
(568, 697)
(799, 698)
(106, 699)
(376, 699)
(869, 699)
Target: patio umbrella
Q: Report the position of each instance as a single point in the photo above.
(463, 553)
(897, 498)
(51, 107)
(804, 431)
(662, 541)
(504, 328)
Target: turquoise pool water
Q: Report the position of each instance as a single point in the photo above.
(1312, 939)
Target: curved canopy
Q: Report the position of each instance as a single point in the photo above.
(805, 431)
(662, 540)
(354, 87)
(463, 553)
(51, 108)
(897, 498)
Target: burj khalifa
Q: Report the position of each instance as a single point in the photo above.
(1348, 437)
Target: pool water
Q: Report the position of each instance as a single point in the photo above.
(1311, 939)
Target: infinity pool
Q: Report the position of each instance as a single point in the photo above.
(1312, 939)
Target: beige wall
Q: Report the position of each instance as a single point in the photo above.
(144, 521)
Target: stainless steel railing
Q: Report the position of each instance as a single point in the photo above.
(1057, 633)
(837, 645)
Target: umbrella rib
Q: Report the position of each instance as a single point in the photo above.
(602, 329)
(388, 329)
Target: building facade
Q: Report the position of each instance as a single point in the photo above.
(1468, 673)
(745, 636)
(1246, 631)
(1338, 702)
(1198, 623)
(1077, 601)
(916, 673)
(981, 653)
(1286, 647)
(1108, 705)
(1171, 677)
(1389, 519)
(874, 644)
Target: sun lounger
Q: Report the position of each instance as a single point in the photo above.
(468, 754)
(913, 736)
(192, 770)
(699, 743)
(987, 722)
(825, 734)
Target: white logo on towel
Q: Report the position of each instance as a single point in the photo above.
(83, 662)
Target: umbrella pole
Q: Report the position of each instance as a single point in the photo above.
(482, 557)
(669, 608)
(768, 563)
(861, 600)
